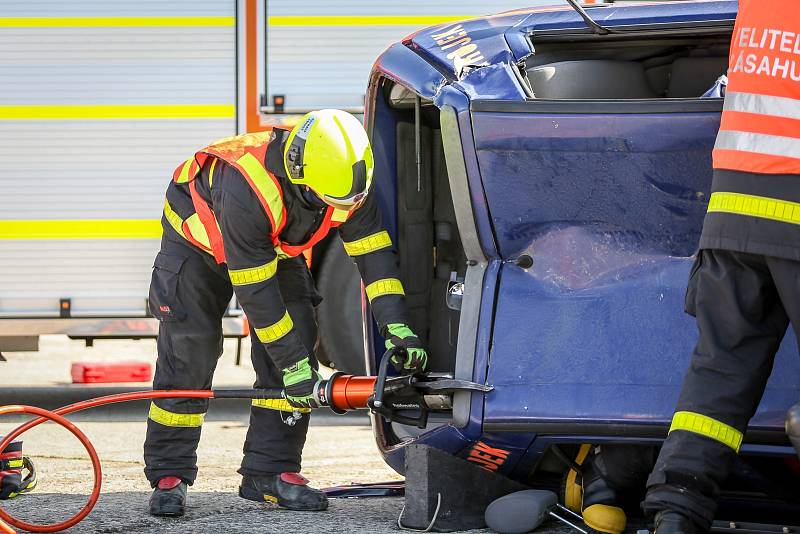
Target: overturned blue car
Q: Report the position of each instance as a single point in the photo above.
(545, 178)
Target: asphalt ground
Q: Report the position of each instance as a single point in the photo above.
(334, 455)
(340, 450)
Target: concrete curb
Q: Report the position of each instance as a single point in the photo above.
(51, 397)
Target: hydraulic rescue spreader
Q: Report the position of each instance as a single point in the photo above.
(404, 399)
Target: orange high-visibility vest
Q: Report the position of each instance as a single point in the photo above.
(246, 153)
(760, 129)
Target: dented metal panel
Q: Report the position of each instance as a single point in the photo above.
(316, 57)
(588, 214)
(607, 203)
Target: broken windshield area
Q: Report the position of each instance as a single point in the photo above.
(623, 68)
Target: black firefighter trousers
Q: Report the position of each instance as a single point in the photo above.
(189, 294)
(743, 304)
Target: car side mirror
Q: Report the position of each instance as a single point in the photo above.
(455, 292)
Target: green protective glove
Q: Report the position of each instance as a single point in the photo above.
(298, 383)
(415, 358)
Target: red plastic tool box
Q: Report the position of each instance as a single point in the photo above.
(94, 373)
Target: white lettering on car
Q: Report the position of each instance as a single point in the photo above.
(466, 52)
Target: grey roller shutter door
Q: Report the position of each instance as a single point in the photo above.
(99, 102)
(326, 63)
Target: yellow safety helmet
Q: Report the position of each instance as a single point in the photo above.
(329, 152)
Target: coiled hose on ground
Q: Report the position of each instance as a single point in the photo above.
(8, 522)
(340, 393)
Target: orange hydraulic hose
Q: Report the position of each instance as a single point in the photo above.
(57, 417)
(111, 399)
(45, 415)
(347, 392)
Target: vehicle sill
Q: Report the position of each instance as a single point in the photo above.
(618, 429)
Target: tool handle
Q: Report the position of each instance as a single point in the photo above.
(263, 393)
(379, 403)
(383, 371)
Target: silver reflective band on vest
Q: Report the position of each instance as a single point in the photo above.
(776, 106)
(772, 145)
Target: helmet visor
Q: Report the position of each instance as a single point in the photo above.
(358, 191)
(347, 204)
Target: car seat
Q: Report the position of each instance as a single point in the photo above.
(693, 76)
(590, 79)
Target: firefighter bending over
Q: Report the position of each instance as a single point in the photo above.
(237, 218)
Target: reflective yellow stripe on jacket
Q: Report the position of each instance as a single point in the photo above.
(183, 176)
(755, 206)
(198, 231)
(340, 216)
(173, 219)
(386, 286)
(706, 426)
(368, 244)
(180, 420)
(275, 331)
(254, 275)
(266, 187)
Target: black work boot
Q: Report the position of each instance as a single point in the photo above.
(669, 522)
(169, 498)
(287, 490)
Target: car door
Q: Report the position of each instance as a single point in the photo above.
(597, 209)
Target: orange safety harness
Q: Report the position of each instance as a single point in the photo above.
(246, 153)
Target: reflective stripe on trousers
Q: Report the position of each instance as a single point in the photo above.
(707, 427)
(281, 405)
(180, 420)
